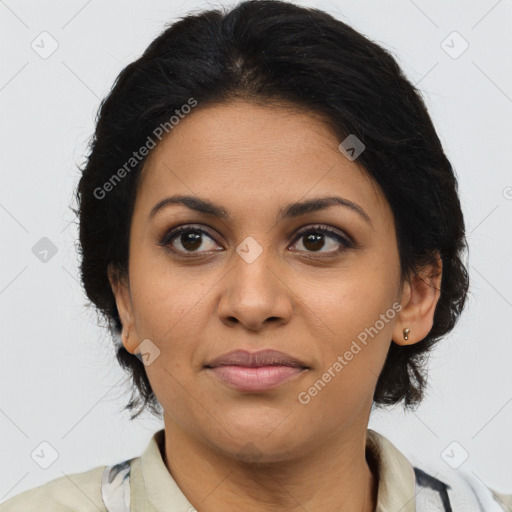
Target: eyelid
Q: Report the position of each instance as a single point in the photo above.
(324, 229)
(171, 233)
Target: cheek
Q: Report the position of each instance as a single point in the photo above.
(171, 309)
(352, 352)
(164, 295)
(347, 304)
(355, 317)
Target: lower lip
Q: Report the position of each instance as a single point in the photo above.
(261, 378)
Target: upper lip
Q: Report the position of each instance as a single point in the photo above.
(254, 359)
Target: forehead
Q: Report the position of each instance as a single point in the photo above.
(266, 154)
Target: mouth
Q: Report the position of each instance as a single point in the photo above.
(256, 371)
(256, 359)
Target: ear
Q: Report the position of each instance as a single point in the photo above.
(419, 298)
(121, 289)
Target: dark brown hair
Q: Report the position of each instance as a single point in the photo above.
(276, 51)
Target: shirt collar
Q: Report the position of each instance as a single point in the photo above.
(397, 481)
(153, 489)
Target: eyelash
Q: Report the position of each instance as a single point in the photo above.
(316, 229)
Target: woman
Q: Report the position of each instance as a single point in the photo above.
(271, 227)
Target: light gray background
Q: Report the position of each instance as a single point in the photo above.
(59, 381)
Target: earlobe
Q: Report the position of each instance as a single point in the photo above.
(121, 291)
(420, 296)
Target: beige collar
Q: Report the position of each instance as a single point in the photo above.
(397, 481)
(153, 489)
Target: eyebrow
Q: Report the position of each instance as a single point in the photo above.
(290, 211)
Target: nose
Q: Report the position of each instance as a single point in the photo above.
(255, 294)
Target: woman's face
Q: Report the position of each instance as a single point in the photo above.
(253, 279)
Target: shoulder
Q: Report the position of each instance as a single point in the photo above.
(504, 499)
(434, 486)
(74, 492)
(456, 490)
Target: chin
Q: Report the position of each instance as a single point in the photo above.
(251, 447)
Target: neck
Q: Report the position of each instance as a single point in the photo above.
(338, 475)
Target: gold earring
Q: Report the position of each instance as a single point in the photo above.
(127, 334)
(406, 334)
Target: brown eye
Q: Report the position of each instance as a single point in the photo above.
(187, 239)
(190, 240)
(314, 239)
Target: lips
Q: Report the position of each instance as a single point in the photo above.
(256, 371)
(256, 359)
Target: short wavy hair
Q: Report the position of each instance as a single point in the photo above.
(263, 51)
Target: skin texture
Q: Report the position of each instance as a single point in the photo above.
(231, 450)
